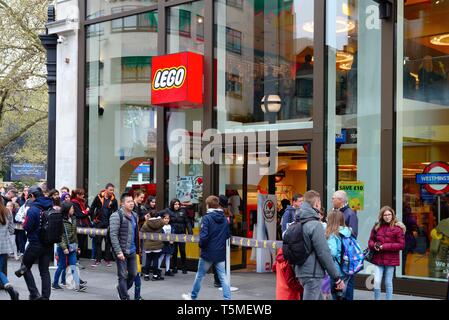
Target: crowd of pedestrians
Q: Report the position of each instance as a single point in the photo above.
(321, 274)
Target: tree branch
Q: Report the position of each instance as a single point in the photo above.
(5, 142)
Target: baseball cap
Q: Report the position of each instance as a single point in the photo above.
(34, 189)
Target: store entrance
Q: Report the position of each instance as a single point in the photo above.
(242, 182)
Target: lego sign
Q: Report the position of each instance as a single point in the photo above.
(177, 80)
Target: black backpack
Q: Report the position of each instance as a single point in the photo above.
(293, 245)
(51, 226)
(108, 233)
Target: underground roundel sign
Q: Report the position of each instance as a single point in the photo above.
(269, 210)
(177, 80)
(435, 178)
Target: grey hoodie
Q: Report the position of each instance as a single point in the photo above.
(320, 257)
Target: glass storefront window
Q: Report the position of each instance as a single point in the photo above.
(120, 118)
(353, 40)
(423, 136)
(264, 52)
(185, 29)
(100, 8)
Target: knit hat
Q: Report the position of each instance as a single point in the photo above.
(64, 194)
(223, 201)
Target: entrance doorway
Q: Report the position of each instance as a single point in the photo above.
(242, 182)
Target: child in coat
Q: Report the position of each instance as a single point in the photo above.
(287, 286)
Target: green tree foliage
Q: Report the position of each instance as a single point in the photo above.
(23, 88)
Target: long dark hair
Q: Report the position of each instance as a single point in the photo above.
(172, 204)
(149, 200)
(65, 208)
(4, 213)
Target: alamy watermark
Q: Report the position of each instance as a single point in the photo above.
(213, 147)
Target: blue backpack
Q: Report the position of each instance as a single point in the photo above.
(352, 257)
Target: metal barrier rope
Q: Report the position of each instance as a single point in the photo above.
(188, 238)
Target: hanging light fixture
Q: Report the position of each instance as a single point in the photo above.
(342, 25)
(440, 40)
(271, 103)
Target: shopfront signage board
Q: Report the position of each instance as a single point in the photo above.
(435, 178)
(177, 80)
(355, 192)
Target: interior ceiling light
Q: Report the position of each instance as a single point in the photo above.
(441, 40)
(346, 66)
(344, 57)
(345, 9)
(342, 25)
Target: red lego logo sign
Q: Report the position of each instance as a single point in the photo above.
(177, 80)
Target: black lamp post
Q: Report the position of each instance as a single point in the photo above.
(50, 42)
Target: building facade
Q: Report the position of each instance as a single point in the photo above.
(334, 94)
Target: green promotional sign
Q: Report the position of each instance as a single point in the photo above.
(355, 191)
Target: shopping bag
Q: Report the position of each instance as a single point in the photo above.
(139, 264)
(69, 281)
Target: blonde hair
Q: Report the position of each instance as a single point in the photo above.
(381, 221)
(335, 220)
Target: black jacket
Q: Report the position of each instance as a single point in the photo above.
(179, 220)
(98, 214)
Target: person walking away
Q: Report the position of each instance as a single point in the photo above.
(100, 211)
(387, 239)
(319, 258)
(180, 222)
(340, 202)
(6, 229)
(124, 238)
(224, 205)
(168, 248)
(287, 285)
(36, 249)
(21, 237)
(82, 217)
(213, 236)
(335, 229)
(68, 248)
(291, 211)
(153, 248)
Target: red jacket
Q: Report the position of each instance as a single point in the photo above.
(392, 241)
(287, 286)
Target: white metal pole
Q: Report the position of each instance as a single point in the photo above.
(55, 251)
(228, 265)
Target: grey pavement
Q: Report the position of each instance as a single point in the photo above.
(102, 280)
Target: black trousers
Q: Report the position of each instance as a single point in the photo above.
(152, 260)
(82, 243)
(182, 250)
(43, 255)
(99, 251)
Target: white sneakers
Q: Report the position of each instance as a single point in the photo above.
(186, 296)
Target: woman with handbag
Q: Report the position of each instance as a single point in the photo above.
(386, 240)
(68, 247)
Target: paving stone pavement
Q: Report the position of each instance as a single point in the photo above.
(102, 280)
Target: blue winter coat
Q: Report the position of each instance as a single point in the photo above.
(32, 221)
(213, 235)
(351, 219)
(288, 217)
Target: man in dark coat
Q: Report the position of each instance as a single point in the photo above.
(213, 236)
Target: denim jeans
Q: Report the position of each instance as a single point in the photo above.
(346, 279)
(349, 291)
(312, 288)
(43, 254)
(167, 258)
(62, 265)
(21, 239)
(203, 267)
(137, 286)
(379, 273)
(126, 272)
(3, 279)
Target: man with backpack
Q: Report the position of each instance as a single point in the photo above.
(340, 202)
(306, 247)
(123, 233)
(42, 233)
